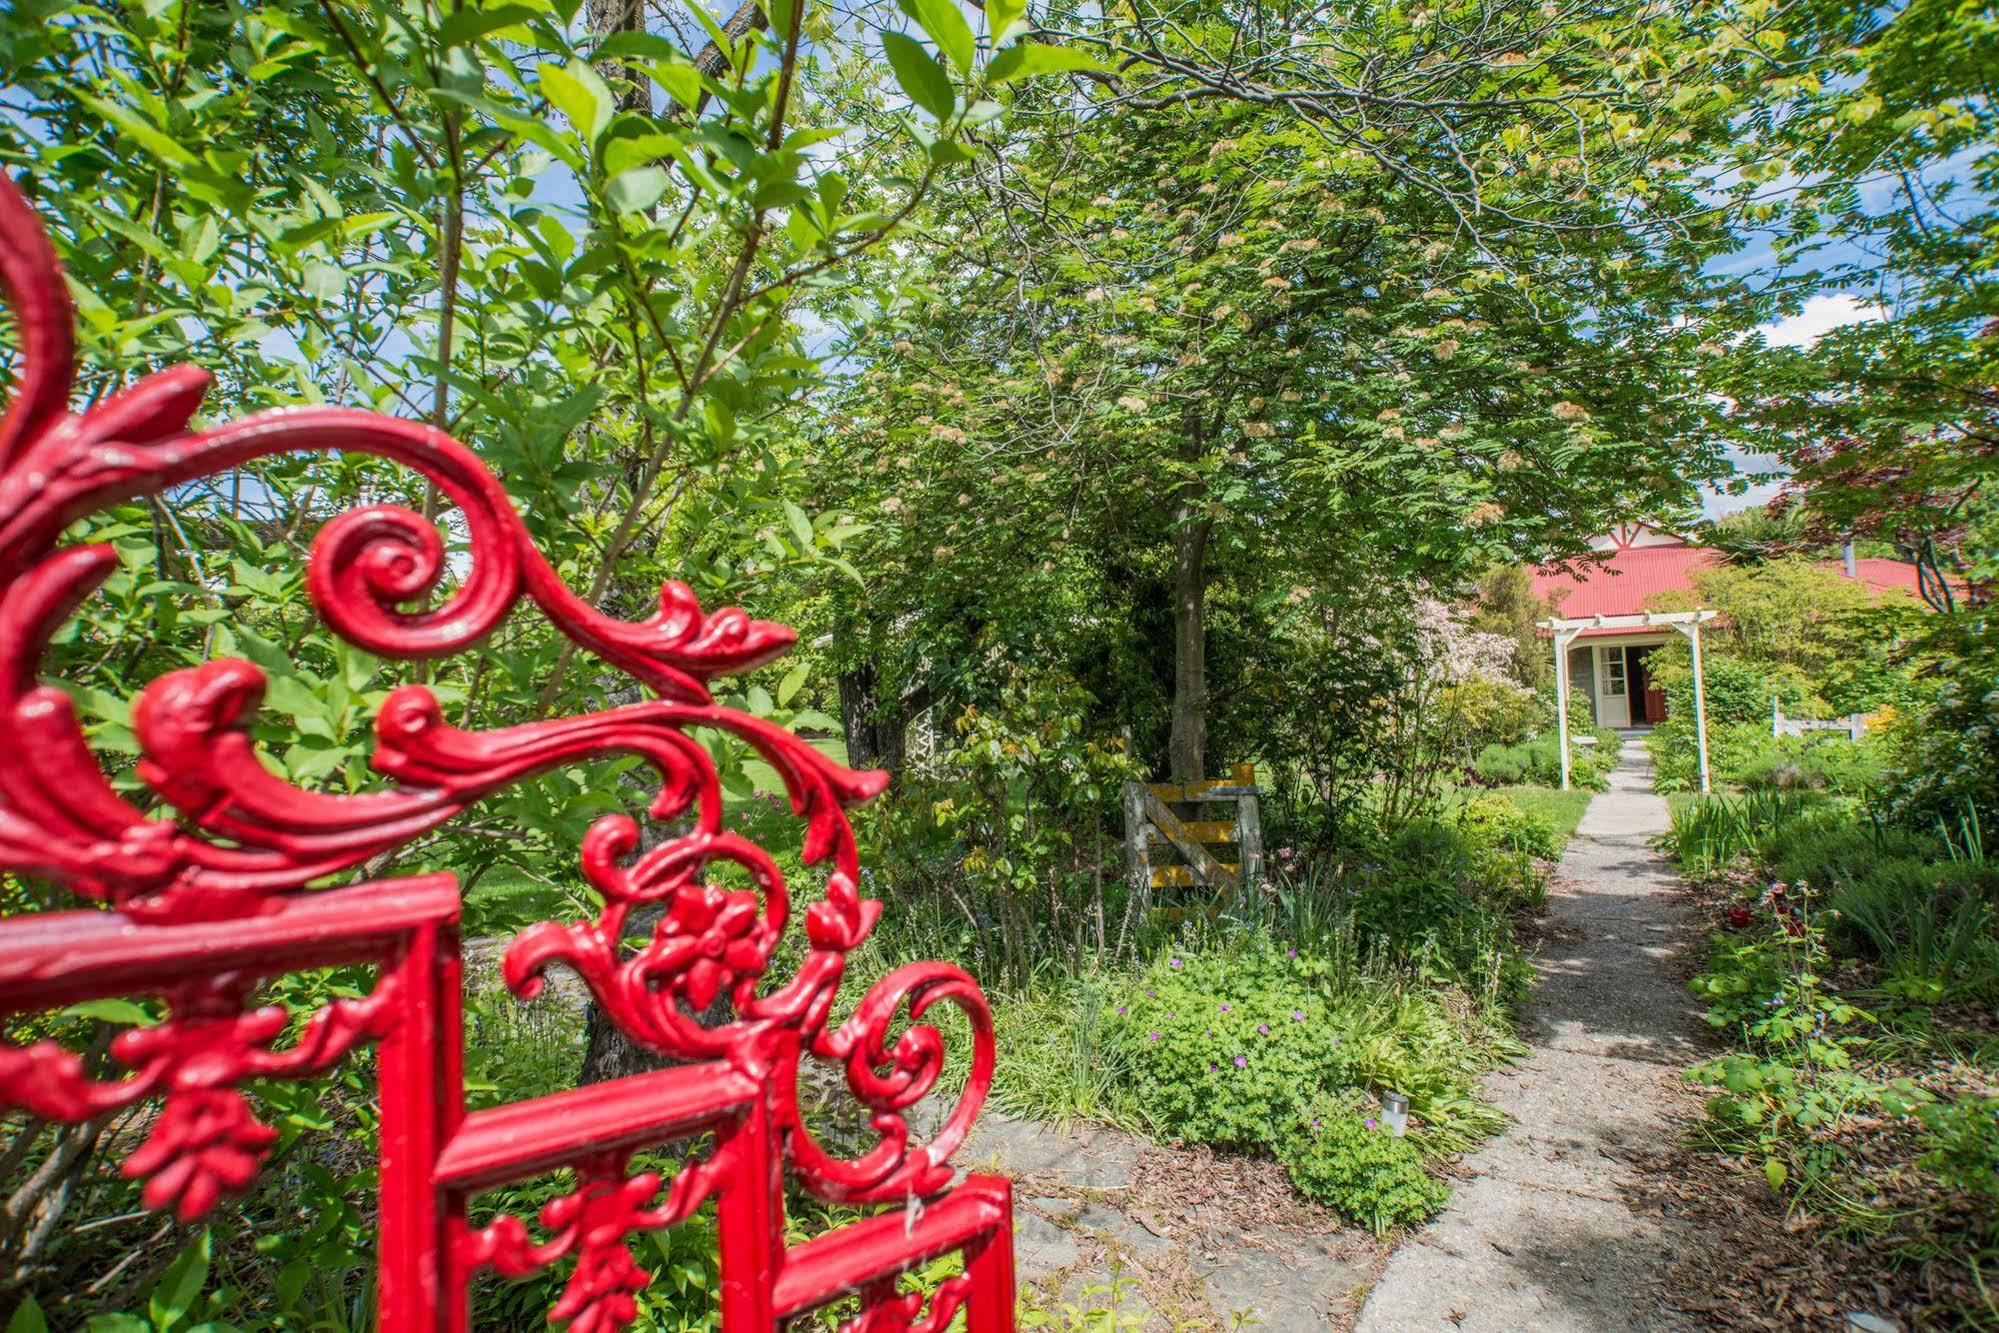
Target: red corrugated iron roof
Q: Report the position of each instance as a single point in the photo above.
(1621, 585)
(1630, 578)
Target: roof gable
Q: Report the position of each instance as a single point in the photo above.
(1637, 536)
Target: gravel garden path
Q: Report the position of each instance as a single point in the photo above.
(1560, 1228)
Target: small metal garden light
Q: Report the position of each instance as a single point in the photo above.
(1395, 1112)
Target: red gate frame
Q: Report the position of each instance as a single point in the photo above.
(208, 905)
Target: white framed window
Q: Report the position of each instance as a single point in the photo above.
(1613, 672)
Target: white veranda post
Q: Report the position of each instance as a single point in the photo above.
(1563, 638)
(1565, 632)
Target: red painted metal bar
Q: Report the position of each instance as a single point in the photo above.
(56, 958)
(208, 904)
(824, 1269)
(420, 1059)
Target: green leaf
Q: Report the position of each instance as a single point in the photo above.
(1024, 60)
(810, 719)
(147, 136)
(946, 25)
(1775, 1172)
(622, 152)
(682, 82)
(110, 1010)
(180, 1286)
(919, 74)
(716, 33)
(637, 190)
(28, 1318)
(578, 93)
(1002, 15)
(469, 25)
(289, 694)
(794, 680)
(801, 527)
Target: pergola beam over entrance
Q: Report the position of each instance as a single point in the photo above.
(1566, 631)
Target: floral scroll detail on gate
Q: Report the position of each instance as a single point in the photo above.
(246, 842)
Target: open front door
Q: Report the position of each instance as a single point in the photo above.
(1652, 709)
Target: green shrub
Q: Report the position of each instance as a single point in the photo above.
(1503, 765)
(1962, 1142)
(1929, 924)
(1365, 1024)
(1734, 688)
(1539, 761)
(1227, 1048)
(1710, 832)
(1819, 761)
(1498, 822)
(1434, 899)
(1831, 843)
(1488, 712)
(1400, 1033)
(1793, 1079)
(1946, 753)
(1676, 763)
(1343, 1158)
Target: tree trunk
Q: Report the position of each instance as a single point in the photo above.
(860, 716)
(1186, 748)
(606, 1053)
(877, 737)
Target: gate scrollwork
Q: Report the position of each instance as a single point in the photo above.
(209, 903)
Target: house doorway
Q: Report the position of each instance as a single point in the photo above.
(1645, 691)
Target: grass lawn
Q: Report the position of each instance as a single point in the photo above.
(1562, 809)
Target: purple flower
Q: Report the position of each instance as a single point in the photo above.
(1264, 1028)
(1175, 964)
(1152, 1036)
(1169, 1013)
(1225, 1008)
(1120, 1008)
(1241, 1063)
(1297, 1015)
(1372, 1123)
(1290, 953)
(1315, 1122)
(1152, 994)
(1209, 1033)
(1212, 1066)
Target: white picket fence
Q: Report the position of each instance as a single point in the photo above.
(1853, 724)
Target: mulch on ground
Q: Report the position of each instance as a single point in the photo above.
(1888, 1238)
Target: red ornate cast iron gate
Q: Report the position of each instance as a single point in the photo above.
(210, 904)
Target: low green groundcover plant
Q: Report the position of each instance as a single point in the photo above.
(1962, 1138)
(1348, 1159)
(1227, 1050)
(1263, 1046)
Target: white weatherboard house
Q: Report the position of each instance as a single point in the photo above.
(1604, 634)
(1606, 662)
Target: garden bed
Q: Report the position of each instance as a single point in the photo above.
(1853, 1129)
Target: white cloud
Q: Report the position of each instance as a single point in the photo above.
(1820, 316)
